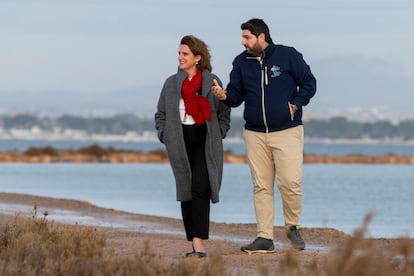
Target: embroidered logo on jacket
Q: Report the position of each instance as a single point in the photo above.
(275, 71)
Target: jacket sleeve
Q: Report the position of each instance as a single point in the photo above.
(223, 116)
(160, 115)
(235, 96)
(304, 78)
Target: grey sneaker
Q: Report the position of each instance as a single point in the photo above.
(295, 238)
(259, 245)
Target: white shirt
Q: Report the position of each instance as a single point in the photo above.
(186, 119)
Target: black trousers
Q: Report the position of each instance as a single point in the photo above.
(196, 212)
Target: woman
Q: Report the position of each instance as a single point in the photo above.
(192, 122)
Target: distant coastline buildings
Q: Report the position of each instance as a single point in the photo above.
(131, 128)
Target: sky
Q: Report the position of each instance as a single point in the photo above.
(109, 56)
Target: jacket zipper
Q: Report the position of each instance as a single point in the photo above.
(264, 81)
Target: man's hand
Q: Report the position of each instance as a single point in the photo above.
(293, 108)
(219, 92)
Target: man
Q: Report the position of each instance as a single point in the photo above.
(274, 82)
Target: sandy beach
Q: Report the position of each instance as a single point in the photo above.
(127, 234)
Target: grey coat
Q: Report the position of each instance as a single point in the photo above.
(168, 125)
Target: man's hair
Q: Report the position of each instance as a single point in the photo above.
(257, 26)
(198, 47)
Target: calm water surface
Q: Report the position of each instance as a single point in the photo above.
(337, 196)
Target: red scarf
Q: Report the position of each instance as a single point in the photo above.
(195, 105)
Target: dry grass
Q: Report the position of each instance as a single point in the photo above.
(359, 256)
(36, 246)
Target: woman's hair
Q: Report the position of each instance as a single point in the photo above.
(198, 47)
(257, 26)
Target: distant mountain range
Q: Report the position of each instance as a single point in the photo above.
(358, 88)
(362, 88)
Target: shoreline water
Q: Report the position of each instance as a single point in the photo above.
(328, 179)
(72, 211)
(333, 196)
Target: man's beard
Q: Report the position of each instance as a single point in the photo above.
(256, 50)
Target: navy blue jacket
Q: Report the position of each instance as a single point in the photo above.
(268, 85)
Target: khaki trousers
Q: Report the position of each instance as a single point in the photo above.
(277, 155)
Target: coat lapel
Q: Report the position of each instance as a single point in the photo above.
(207, 83)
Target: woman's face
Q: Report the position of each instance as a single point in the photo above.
(186, 59)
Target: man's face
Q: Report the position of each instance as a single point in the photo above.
(251, 43)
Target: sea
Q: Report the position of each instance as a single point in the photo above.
(336, 196)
